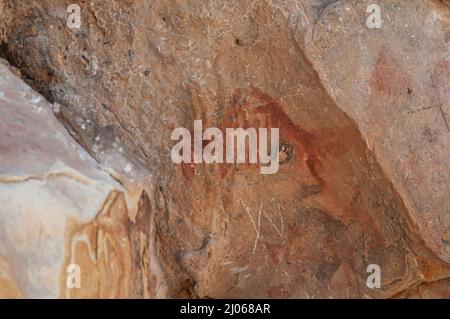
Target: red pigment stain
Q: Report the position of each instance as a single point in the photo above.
(265, 112)
(385, 78)
(289, 131)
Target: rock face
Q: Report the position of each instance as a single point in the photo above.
(395, 85)
(362, 113)
(60, 208)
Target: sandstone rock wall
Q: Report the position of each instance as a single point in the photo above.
(395, 85)
(59, 207)
(363, 113)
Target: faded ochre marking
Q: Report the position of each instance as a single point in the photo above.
(82, 238)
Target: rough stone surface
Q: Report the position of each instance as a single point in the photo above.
(364, 111)
(59, 207)
(395, 85)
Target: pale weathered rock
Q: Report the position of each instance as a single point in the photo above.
(59, 207)
(136, 70)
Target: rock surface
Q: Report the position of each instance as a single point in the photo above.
(395, 85)
(363, 111)
(59, 207)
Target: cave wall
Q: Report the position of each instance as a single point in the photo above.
(363, 113)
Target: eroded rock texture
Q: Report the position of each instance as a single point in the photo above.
(396, 87)
(362, 112)
(59, 207)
